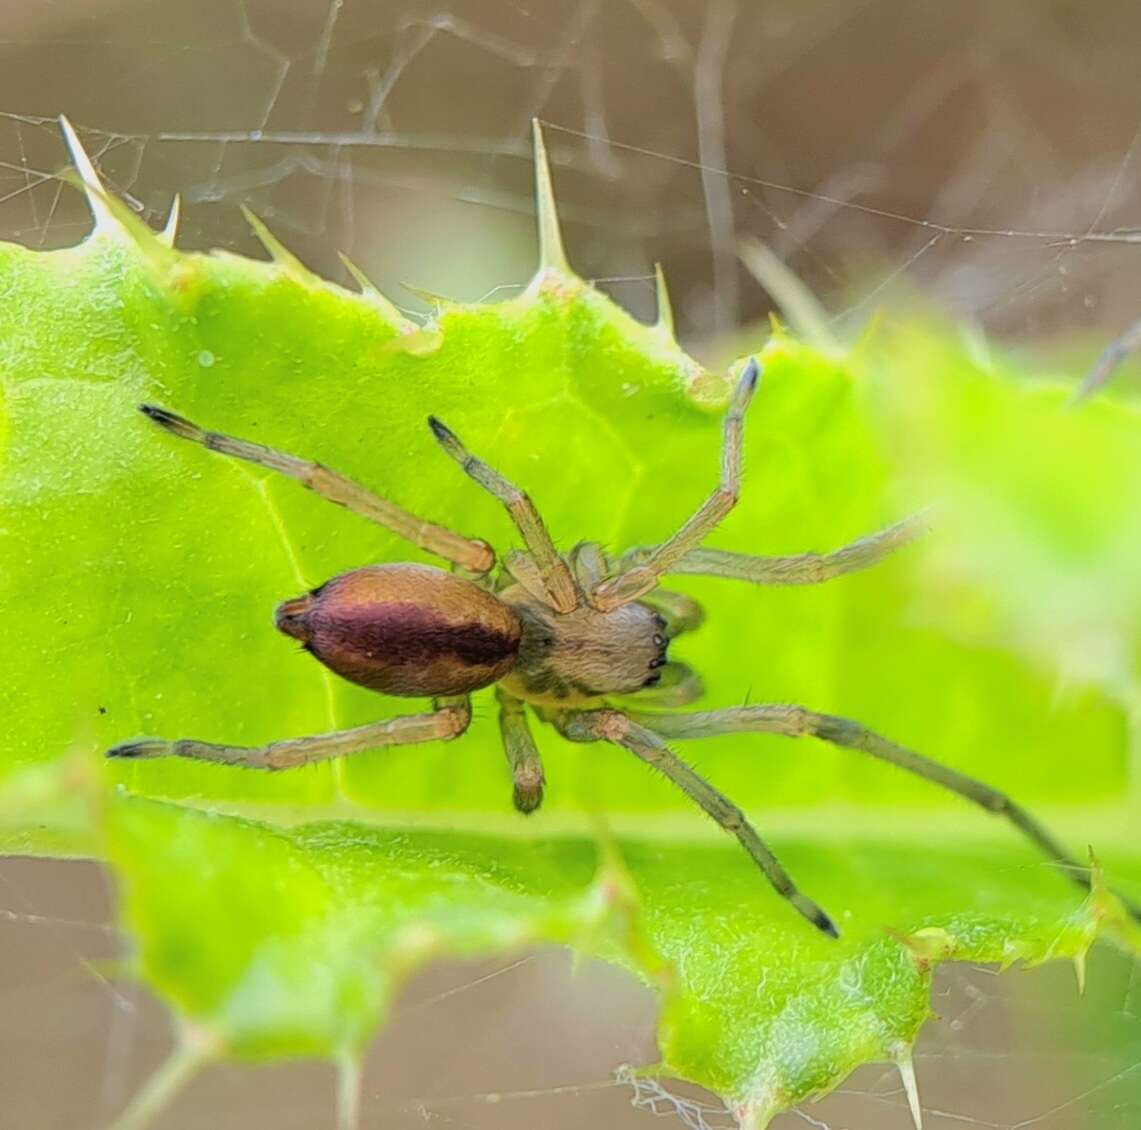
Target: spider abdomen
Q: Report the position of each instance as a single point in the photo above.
(406, 630)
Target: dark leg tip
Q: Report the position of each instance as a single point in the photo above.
(814, 914)
(136, 749)
(443, 433)
(159, 415)
(528, 798)
(172, 422)
(751, 375)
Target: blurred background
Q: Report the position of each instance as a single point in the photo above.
(983, 155)
(979, 158)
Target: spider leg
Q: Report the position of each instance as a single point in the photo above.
(556, 576)
(449, 719)
(629, 585)
(801, 568)
(1112, 356)
(468, 553)
(796, 722)
(589, 564)
(522, 753)
(523, 570)
(620, 729)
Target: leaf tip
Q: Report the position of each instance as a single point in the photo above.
(349, 1084)
(439, 301)
(278, 252)
(552, 256)
(97, 197)
(903, 1062)
(185, 1060)
(665, 322)
(368, 290)
(170, 228)
(1110, 909)
(1079, 960)
(112, 218)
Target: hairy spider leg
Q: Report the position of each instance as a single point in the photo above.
(620, 729)
(522, 753)
(1112, 356)
(591, 565)
(639, 579)
(524, 570)
(796, 722)
(449, 718)
(557, 581)
(468, 553)
(797, 569)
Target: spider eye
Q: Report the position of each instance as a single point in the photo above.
(653, 680)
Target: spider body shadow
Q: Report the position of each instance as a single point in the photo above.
(559, 636)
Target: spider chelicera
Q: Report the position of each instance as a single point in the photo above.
(561, 635)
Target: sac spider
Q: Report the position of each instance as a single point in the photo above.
(563, 635)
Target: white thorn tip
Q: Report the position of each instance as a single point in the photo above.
(366, 285)
(278, 252)
(910, 1087)
(92, 186)
(665, 310)
(429, 297)
(348, 1093)
(369, 290)
(1080, 971)
(551, 253)
(170, 228)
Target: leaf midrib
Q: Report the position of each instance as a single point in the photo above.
(824, 824)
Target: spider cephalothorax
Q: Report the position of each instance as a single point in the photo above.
(577, 657)
(560, 636)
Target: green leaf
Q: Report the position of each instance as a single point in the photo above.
(278, 914)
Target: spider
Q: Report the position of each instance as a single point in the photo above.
(563, 635)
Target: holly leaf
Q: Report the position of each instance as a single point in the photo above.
(278, 914)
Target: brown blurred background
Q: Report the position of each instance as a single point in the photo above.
(981, 156)
(871, 144)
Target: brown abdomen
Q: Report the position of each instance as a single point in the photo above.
(406, 630)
